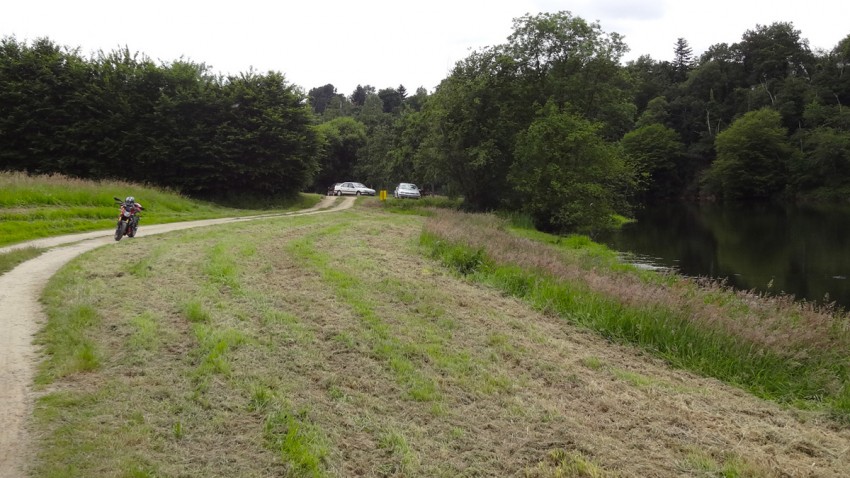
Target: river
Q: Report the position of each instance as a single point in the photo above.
(799, 250)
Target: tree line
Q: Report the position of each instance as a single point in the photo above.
(119, 115)
(551, 124)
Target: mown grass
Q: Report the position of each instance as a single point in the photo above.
(672, 317)
(33, 207)
(331, 345)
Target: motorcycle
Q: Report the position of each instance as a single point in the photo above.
(128, 220)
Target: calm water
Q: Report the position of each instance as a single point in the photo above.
(799, 250)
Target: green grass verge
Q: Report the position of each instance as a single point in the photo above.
(10, 260)
(33, 207)
(665, 331)
(420, 207)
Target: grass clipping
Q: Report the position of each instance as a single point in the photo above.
(332, 345)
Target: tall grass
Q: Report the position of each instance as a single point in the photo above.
(777, 349)
(33, 207)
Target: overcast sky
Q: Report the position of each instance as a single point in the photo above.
(386, 43)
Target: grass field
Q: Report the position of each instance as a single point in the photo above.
(33, 207)
(371, 343)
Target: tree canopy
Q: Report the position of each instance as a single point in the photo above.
(546, 123)
(119, 115)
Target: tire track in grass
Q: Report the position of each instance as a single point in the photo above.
(384, 347)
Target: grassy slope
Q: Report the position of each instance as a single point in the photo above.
(332, 345)
(32, 207)
(778, 349)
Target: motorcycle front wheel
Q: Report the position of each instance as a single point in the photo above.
(119, 231)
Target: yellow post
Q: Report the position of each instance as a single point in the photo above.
(383, 194)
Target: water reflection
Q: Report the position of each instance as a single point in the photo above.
(799, 250)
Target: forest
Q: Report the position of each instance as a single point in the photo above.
(552, 124)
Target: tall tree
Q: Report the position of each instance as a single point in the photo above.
(564, 58)
(359, 95)
(752, 157)
(682, 60)
(392, 99)
(43, 91)
(655, 151)
(342, 139)
(571, 179)
(771, 53)
(320, 97)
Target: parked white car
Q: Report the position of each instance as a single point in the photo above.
(406, 190)
(354, 189)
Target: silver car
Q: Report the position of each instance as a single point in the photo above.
(407, 190)
(354, 189)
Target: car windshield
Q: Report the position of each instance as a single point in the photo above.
(359, 185)
(408, 186)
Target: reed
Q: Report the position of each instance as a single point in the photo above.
(776, 348)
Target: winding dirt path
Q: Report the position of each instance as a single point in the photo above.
(21, 316)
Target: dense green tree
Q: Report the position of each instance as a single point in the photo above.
(476, 113)
(265, 145)
(825, 164)
(657, 112)
(564, 58)
(342, 139)
(417, 101)
(648, 79)
(120, 115)
(831, 78)
(358, 97)
(774, 52)
(372, 111)
(377, 158)
(42, 93)
(493, 94)
(682, 60)
(654, 151)
(320, 97)
(753, 155)
(391, 98)
(570, 178)
(338, 106)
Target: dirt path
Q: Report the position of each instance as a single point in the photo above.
(21, 316)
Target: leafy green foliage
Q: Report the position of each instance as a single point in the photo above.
(342, 138)
(120, 115)
(654, 150)
(752, 157)
(569, 177)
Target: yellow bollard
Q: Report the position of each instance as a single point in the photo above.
(383, 194)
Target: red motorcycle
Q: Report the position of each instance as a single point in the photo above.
(128, 220)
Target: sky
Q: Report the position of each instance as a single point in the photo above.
(385, 43)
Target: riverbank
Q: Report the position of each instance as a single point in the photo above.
(780, 350)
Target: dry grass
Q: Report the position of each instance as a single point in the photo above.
(301, 347)
(777, 323)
